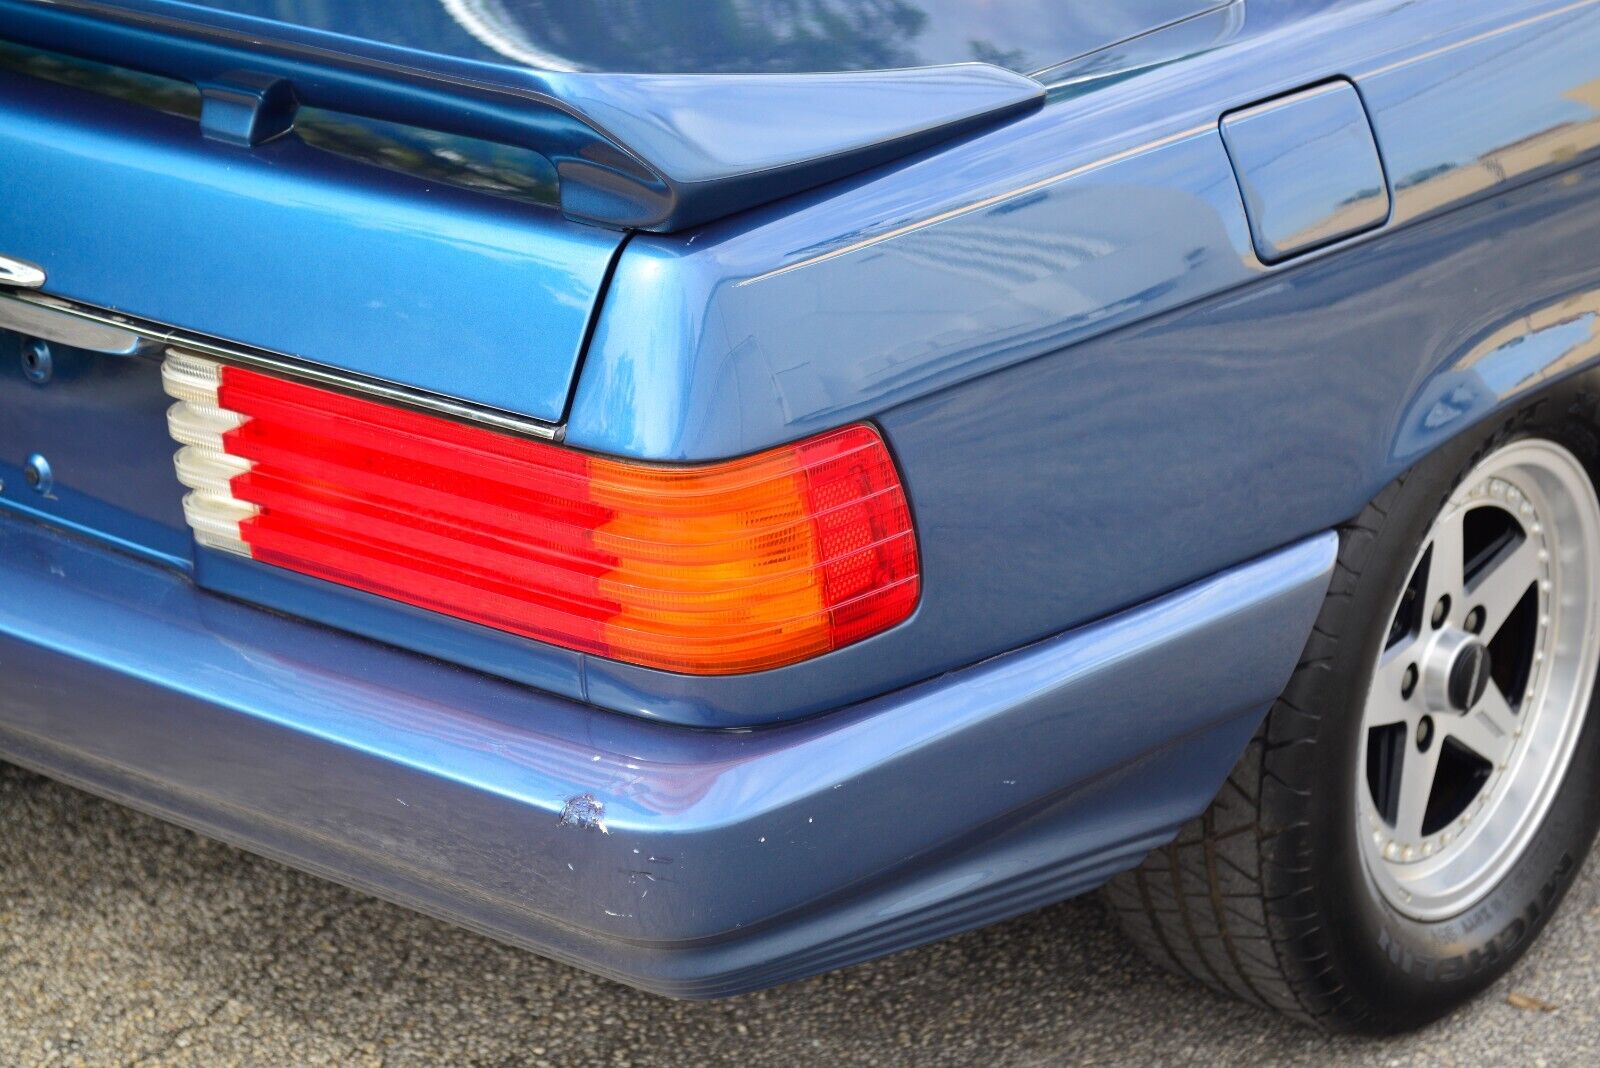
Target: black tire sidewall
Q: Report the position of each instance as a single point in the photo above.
(1399, 971)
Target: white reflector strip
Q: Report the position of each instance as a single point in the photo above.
(191, 378)
(197, 422)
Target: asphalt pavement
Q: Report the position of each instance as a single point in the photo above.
(125, 941)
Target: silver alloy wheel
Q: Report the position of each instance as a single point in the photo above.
(1480, 693)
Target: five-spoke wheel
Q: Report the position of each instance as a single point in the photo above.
(1423, 793)
(1479, 694)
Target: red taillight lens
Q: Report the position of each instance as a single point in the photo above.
(709, 569)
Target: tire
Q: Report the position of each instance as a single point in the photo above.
(1274, 895)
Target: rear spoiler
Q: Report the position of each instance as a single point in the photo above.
(654, 152)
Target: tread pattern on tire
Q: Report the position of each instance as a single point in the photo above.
(1227, 903)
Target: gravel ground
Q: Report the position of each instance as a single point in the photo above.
(126, 941)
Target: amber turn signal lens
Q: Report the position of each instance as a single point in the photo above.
(709, 569)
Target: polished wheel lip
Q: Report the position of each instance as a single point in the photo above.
(1434, 877)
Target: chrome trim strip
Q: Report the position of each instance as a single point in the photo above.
(30, 316)
(15, 272)
(81, 326)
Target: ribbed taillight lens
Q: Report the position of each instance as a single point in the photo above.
(709, 569)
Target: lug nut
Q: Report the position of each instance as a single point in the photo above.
(1408, 682)
(1424, 733)
(1474, 622)
(1440, 611)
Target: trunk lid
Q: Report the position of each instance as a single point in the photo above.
(294, 249)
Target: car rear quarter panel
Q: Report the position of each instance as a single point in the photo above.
(1095, 389)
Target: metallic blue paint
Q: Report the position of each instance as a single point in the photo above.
(1219, 465)
(1509, 94)
(1072, 299)
(912, 308)
(1235, 384)
(656, 151)
(1113, 204)
(954, 803)
(101, 423)
(510, 656)
(1110, 332)
(339, 263)
(242, 108)
(1097, 390)
(1308, 168)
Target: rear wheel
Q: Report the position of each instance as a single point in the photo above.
(1424, 792)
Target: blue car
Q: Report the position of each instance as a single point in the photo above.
(715, 492)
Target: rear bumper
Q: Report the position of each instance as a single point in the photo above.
(726, 861)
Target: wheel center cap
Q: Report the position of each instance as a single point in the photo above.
(1469, 675)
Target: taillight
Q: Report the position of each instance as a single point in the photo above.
(709, 569)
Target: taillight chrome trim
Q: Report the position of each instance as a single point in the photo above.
(79, 325)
